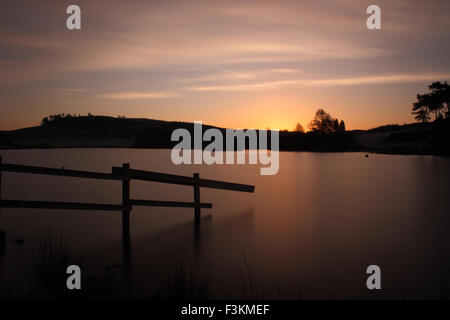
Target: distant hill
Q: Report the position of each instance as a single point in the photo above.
(95, 131)
(416, 138)
(109, 132)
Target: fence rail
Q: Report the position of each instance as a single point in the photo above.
(57, 172)
(124, 174)
(59, 205)
(181, 180)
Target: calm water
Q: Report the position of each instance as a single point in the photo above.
(308, 232)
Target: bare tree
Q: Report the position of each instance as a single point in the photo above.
(299, 128)
(322, 123)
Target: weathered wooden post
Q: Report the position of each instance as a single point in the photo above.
(0, 179)
(1, 183)
(2, 245)
(126, 217)
(2, 233)
(196, 198)
(196, 183)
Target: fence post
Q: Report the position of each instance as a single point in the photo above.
(196, 198)
(2, 247)
(2, 233)
(126, 217)
(1, 183)
(0, 179)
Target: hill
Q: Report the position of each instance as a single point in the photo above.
(109, 132)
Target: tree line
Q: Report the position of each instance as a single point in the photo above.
(322, 123)
(436, 102)
(54, 118)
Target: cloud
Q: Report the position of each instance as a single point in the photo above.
(380, 79)
(74, 90)
(244, 87)
(126, 95)
(393, 78)
(228, 74)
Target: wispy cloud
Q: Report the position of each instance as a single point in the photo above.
(74, 90)
(137, 95)
(229, 74)
(393, 78)
(244, 87)
(366, 80)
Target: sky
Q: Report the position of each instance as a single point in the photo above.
(234, 64)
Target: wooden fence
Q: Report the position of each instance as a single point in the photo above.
(124, 174)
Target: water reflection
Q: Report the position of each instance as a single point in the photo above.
(309, 231)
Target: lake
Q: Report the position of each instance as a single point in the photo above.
(308, 232)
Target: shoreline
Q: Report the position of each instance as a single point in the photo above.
(107, 132)
(368, 151)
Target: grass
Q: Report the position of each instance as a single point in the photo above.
(51, 257)
(184, 283)
(250, 289)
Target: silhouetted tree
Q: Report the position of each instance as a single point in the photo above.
(322, 123)
(437, 101)
(422, 115)
(442, 93)
(342, 126)
(299, 128)
(421, 110)
(45, 121)
(336, 125)
(57, 117)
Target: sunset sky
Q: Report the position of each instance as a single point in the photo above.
(237, 64)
